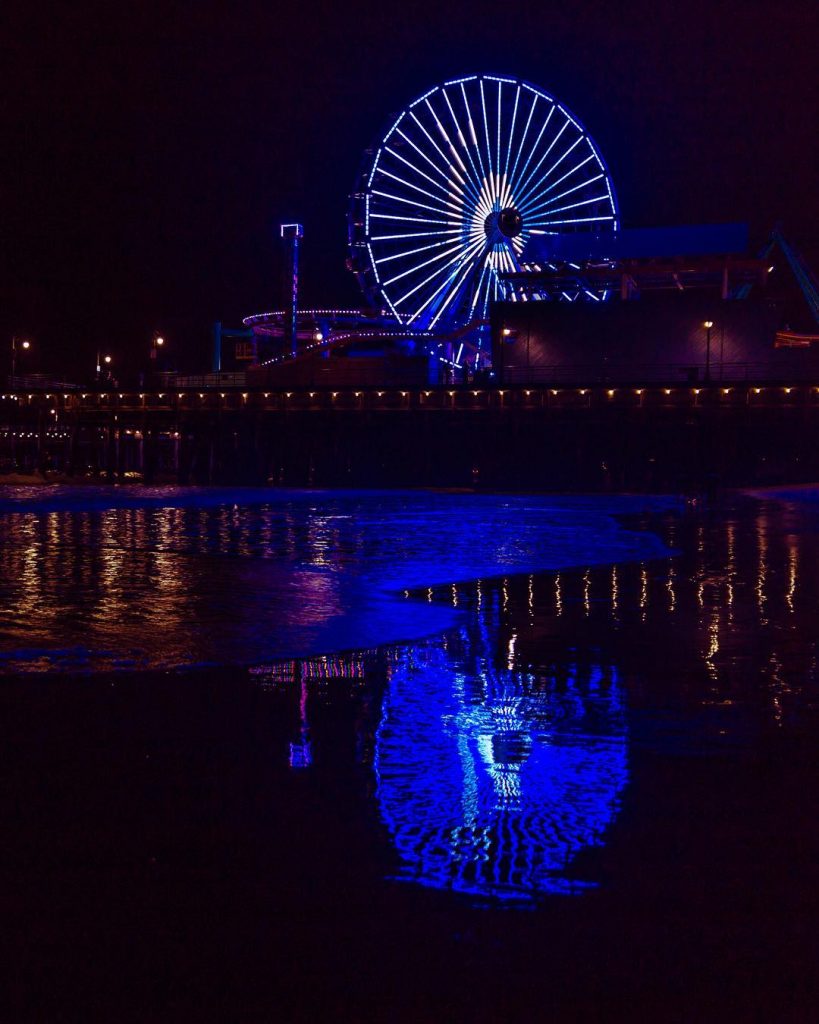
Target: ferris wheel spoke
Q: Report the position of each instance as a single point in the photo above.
(511, 255)
(525, 133)
(476, 298)
(533, 149)
(415, 268)
(413, 252)
(487, 284)
(428, 159)
(435, 184)
(487, 298)
(468, 259)
(477, 295)
(506, 192)
(443, 168)
(575, 206)
(568, 174)
(488, 145)
(446, 163)
(446, 138)
(458, 258)
(457, 206)
(498, 151)
(545, 177)
(574, 220)
(452, 293)
(473, 136)
(487, 203)
(428, 207)
(521, 188)
(476, 180)
(414, 234)
(528, 207)
(413, 220)
(532, 195)
(512, 132)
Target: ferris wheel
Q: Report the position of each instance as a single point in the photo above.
(450, 195)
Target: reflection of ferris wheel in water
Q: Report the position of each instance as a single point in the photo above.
(450, 195)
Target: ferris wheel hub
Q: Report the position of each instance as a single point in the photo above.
(507, 223)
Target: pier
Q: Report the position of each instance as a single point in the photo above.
(643, 437)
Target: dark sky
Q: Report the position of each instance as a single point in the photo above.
(149, 152)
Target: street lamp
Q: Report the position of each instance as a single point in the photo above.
(106, 360)
(16, 343)
(708, 325)
(157, 343)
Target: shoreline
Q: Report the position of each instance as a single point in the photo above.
(363, 604)
(683, 494)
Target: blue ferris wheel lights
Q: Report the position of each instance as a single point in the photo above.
(422, 98)
(456, 167)
(568, 115)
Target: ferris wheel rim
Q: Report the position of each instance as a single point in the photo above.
(460, 209)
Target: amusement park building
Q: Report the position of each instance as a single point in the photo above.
(585, 309)
(683, 304)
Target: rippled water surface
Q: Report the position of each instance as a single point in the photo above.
(412, 756)
(173, 577)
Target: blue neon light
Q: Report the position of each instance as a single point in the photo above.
(469, 149)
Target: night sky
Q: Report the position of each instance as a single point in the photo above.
(149, 152)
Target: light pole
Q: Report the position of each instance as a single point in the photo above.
(708, 325)
(24, 344)
(100, 361)
(157, 343)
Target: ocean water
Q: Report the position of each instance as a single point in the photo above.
(100, 578)
(409, 756)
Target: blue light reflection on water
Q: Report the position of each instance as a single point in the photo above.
(101, 578)
(492, 779)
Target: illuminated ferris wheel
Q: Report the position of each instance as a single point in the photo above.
(449, 197)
